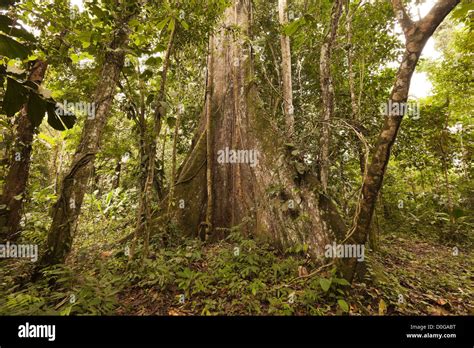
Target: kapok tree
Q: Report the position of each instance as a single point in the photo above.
(266, 198)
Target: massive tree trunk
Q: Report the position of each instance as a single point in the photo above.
(255, 192)
(286, 70)
(16, 180)
(327, 91)
(416, 35)
(68, 206)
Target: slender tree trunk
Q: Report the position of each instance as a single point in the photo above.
(416, 35)
(14, 188)
(286, 69)
(58, 166)
(117, 173)
(352, 84)
(146, 198)
(173, 162)
(444, 146)
(327, 90)
(256, 193)
(68, 206)
(159, 185)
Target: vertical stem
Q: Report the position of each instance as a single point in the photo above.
(173, 161)
(355, 104)
(147, 198)
(327, 90)
(286, 69)
(209, 150)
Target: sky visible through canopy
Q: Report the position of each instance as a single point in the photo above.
(420, 84)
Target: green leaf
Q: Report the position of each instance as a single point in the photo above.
(292, 27)
(147, 74)
(341, 281)
(58, 118)
(36, 109)
(325, 284)
(457, 213)
(15, 96)
(74, 57)
(343, 304)
(153, 61)
(462, 10)
(66, 311)
(14, 29)
(13, 49)
(162, 24)
(184, 25)
(149, 99)
(171, 25)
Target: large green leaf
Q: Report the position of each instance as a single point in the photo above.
(15, 96)
(13, 49)
(14, 29)
(58, 118)
(36, 109)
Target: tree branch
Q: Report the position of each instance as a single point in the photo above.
(402, 16)
(436, 15)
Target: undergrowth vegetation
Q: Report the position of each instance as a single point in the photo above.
(240, 276)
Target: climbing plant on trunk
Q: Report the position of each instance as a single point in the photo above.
(14, 188)
(68, 206)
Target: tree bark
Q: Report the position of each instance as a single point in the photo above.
(327, 91)
(67, 208)
(286, 70)
(267, 198)
(14, 188)
(416, 35)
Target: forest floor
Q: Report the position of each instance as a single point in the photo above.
(406, 276)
